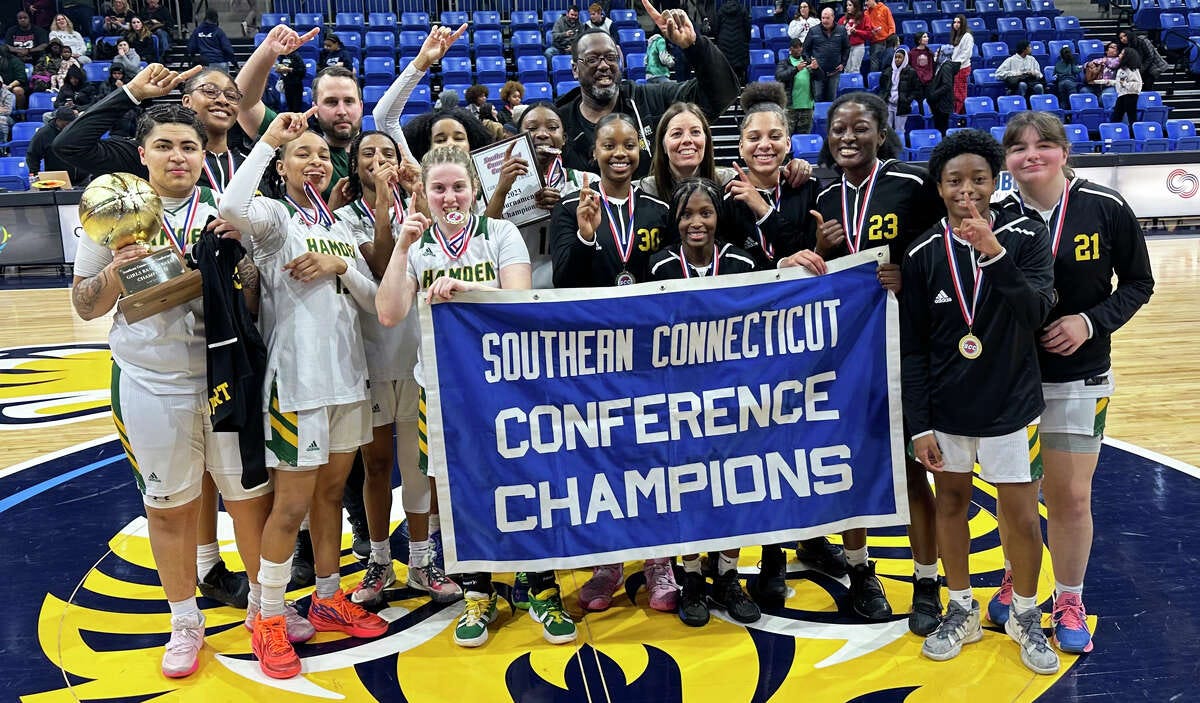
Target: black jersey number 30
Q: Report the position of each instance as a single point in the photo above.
(882, 227)
(648, 239)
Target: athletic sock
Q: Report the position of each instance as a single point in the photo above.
(692, 566)
(183, 608)
(1060, 589)
(418, 553)
(304, 522)
(925, 571)
(255, 597)
(328, 585)
(725, 563)
(274, 579)
(963, 598)
(855, 557)
(381, 552)
(1022, 603)
(207, 556)
(435, 524)
(1007, 566)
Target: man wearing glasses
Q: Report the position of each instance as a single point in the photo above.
(598, 65)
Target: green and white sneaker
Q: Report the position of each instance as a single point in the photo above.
(547, 608)
(520, 591)
(481, 611)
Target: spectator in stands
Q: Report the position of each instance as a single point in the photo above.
(8, 103)
(659, 59)
(858, 29)
(963, 42)
(72, 92)
(25, 40)
(597, 19)
(80, 12)
(335, 53)
(883, 33)
(292, 71)
(1153, 63)
(253, 15)
(1021, 73)
(46, 67)
(511, 96)
(12, 73)
(477, 103)
(141, 39)
(732, 31)
(209, 41)
(447, 99)
(116, 17)
(922, 61)
(64, 31)
(41, 157)
(804, 21)
(566, 29)
(128, 58)
(796, 74)
(597, 65)
(1066, 75)
(1101, 72)
(941, 89)
(41, 12)
(1128, 83)
(899, 87)
(830, 47)
(67, 61)
(160, 21)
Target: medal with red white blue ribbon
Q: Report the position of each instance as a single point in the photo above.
(218, 184)
(969, 346)
(854, 226)
(762, 238)
(398, 215)
(622, 234)
(456, 244)
(1059, 218)
(687, 268)
(323, 216)
(555, 174)
(179, 237)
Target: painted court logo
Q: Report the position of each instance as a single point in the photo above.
(53, 384)
(5, 236)
(1183, 183)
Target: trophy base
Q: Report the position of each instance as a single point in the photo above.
(163, 296)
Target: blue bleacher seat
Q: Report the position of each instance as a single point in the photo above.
(634, 40)
(419, 101)
(454, 19)
(1081, 143)
(39, 104)
(1182, 134)
(926, 8)
(460, 88)
(1194, 22)
(310, 71)
(379, 69)
(762, 63)
(807, 146)
(456, 69)
(1010, 30)
(1146, 13)
(821, 117)
(97, 70)
(624, 19)
(1039, 28)
(564, 87)
(1046, 103)
(384, 43)
(1044, 8)
(22, 134)
(1037, 49)
(371, 95)
(775, 36)
(410, 42)
(1149, 136)
(1016, 8)
(386, 21)
(1086, 110)
(1055, 47)
(527, 43)
(873, 81)
(1151, 107)
(1108, 99)
(1089, 49)
(954, 7)
(997, 132)
(1115, 138)
(488, 42)
(348, 22)
(353, 42)
(538, 91)
(921, 143)
(494, 93)
(994, 53)
(532, 69)
(911, 29)
(980, 112)
(1068, 27)
(901, 11)
(305, 21)
(761, 14)
(491, 69)
(939, 31)
(266, 21)
(368, 122)
(986, 83)
(1174, 31)
(485, 19)
(1009, 105)
(14, 173)
(635, 66)
(849, 83)
(978, 27)
(521, 20)
(560, 68)
(988, 9)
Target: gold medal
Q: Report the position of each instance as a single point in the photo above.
(455, 218)
(970, 346)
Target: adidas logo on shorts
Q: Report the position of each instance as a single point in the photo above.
(153, 477)
(941, 298)
(313, 447)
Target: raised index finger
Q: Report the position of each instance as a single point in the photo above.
(650, 10)
(309, 35)
(309, 113)
(458, 32)
(509, 150)
(741, 174)
(974, 210)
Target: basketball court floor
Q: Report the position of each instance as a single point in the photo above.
(87, 619)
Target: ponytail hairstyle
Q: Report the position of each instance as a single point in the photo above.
(356, 189)
(690, 186)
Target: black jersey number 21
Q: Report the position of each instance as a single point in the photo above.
(1087, 247)
(648, 239)
(882, 227)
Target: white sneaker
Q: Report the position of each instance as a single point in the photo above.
(959, 627)
(182, 657)
(1026, 631)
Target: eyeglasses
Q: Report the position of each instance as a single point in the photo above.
(593, 60)
(211, 92)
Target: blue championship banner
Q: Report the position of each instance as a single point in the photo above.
(570, 428)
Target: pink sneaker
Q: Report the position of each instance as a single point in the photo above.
(299, 629)
(182, 657)
(597, 593)
(660, 581)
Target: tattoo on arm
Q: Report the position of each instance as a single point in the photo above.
(248, 275)
(87, 293)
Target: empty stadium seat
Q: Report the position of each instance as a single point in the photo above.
(527, 43)
(807, 146)
(1068, 27)
(849, 83)
(1182, 134)
(1151, 107)
(456, 69)
(1009, 105)
(994, 54)
(532, 69)
(491, 69)
(762, 63)
(1149, 136)
(1081, 143)
(921, 143)
(384, 43)
(488, 42)
(980, 112)
(1115, 138)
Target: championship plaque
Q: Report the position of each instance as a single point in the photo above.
(119, 209)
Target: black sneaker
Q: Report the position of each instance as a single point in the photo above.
(926, 612)
(824, 555)
(303, 573)
(362, 537)
(223, 585)
(866, 593)
(693, 601)
(729, 596)
(770, 588)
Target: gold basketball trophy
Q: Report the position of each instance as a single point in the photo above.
(119, 209)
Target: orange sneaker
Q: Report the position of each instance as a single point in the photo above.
(276, 656)
(338, 614)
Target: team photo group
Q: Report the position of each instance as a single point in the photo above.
(305, 374)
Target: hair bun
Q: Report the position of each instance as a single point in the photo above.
(764, 92)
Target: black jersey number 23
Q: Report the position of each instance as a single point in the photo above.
(648, 239)
(881, 227)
